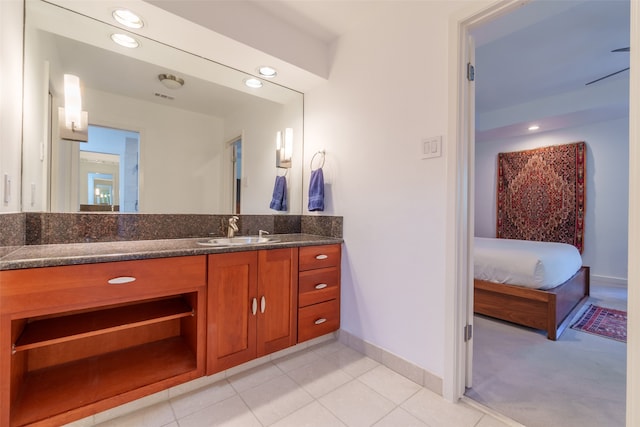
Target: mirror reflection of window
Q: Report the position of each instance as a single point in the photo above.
(108, 178)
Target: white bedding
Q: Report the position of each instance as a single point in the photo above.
(538, 265)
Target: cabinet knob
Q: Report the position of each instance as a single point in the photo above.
(321, 285)
(263, 304)
(322, 256)
(320, 321)
(121, 280)
(254, 306)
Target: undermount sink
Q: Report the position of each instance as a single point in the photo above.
(239, 240)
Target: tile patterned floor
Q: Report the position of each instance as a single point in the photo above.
(325, 385)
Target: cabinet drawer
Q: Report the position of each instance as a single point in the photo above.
(318, 285)
(31, 290)
(312, 257)
(318, 319)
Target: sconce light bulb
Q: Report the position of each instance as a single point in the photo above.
(288, 143)
(72, 101)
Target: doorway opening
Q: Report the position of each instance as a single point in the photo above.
(236, 172)
(489, 16)
(108, 170)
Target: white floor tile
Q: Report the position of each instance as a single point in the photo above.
(312, 415)
(319, 378)
(315, 388)
(275, 399)
(232, 412)
(297, 360)
(435, 411)
(352, 362)
(199, 399)
(357, 405)
(390, 384)
(254, 377)
(399, 417)
(157, 415)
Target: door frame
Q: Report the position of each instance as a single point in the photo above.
(459, 280)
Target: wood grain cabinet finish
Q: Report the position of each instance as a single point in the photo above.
(319, 291)
(76, 340)
(251, 305)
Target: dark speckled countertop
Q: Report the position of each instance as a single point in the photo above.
(29, 256)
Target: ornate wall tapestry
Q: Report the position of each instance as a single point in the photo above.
(541, 194)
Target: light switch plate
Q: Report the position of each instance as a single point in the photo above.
(431, 147)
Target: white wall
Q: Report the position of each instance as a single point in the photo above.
(607, 201)
(387, 90)
(10, 102)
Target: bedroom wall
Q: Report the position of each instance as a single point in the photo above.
(607, 201)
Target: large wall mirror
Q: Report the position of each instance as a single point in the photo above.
(207, 146)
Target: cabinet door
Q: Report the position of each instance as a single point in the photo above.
(277, 299)
(231, 336)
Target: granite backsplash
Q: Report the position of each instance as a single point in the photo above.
(41, 228)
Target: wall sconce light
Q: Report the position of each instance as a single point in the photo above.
(72, 121)
(284, 149)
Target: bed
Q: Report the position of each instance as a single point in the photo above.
(534, 284)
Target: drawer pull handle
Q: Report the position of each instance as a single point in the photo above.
(254, 306)
(263, 304)
(121, 280)
(321, 285)
(322, 256)
(320, 321)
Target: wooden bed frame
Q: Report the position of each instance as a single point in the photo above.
(550, 310)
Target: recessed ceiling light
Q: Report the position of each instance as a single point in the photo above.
(128, 18)
(266, 71)
(125, 40)
(253, 83)
(170, 81)
(534, 127)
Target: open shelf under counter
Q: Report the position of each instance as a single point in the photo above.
(100, 378)
(55, 330)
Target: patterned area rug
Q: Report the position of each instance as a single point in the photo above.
(605, 322)
(541, 194)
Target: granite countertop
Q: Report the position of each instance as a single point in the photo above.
(29, 256)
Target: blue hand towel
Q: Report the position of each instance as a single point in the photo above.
(316, 190)
(279, 198)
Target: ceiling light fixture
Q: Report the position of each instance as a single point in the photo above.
(125, 40)
(266, 71)
(128, 18)
(253, 83)
(534, 127)
(170, 81)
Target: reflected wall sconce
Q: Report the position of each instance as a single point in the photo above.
(72, 121)
(284, 148)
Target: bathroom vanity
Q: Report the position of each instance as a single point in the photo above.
(87, 327)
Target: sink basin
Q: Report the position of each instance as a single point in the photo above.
(239, 240)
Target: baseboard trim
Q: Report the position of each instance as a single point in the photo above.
(610, 281)
(394, 362)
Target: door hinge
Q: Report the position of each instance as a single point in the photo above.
(468, 333)
(471, 72)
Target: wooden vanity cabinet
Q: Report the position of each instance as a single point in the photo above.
(74, 341)
(252, 302)
(319, 291)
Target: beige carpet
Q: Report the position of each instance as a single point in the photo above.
(578, 380)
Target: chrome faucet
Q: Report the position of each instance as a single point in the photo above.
(261, 233)
(233, 226)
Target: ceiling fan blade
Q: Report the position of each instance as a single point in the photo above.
(608, 75)
(622, 49)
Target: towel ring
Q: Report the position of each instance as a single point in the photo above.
(322, 153)
(286, 171)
